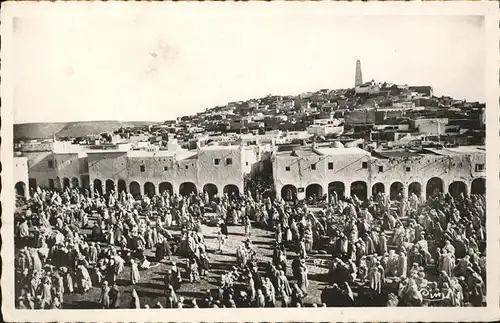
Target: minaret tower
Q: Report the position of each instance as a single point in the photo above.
(359, 75)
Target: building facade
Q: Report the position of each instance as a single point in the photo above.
(21, 177)
(298, 171)
(306, 172)
(215, 169)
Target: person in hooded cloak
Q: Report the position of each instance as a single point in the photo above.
(104, 299)
(135, 301)
(114, 297)
(135, 276)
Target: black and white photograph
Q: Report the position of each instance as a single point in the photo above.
(247, 156)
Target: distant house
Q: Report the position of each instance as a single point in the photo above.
(361, 116)
(423, 90)
(369, 88)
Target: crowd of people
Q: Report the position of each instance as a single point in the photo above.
(379, 252)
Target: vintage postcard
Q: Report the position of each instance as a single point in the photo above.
(305, 161)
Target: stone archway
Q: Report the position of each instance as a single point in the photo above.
(478, 186)
(66, 183)
(135, 189)
(98, 186)
(378, 188)
(456, 188)
(359, 189)
(337, 187)
(122, 186)
(289, 193)
(20, 189)
(75, 182)
(166, 187)
(149, 189)
(396, 190)
(210, 189)
(415, 188)
(434, 186)
(110, 186)
(231, 190)
(57, 183)
(187, 188)
(314, 191)
(52, 184)
(85, 182)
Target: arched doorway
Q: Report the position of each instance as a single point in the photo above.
(149, 189)
(110, 186)
(231, 190)
(135, 189)
(75, 182)
(378, 188)
(187, 188)
(85, 182)
(166, 187)
(122, 186)
(58, 183)
(395, 190)
(210, 189)
(359, 189)
(98, 186)
(478, 186)
(52, 184)
(337, 187)
(434, 186)
(20, 189)
(415, 188)
(456, 188)
(65, 183)
(314, 191)
(289, 193)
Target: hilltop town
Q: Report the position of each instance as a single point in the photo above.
(381, 112)
(380, 119)
(343, 178)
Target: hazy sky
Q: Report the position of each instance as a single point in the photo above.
(157, 65)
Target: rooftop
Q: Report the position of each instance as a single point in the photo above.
(298, 151)
(217, 147)
(462, 150)
(307, 151)
(342, 151)
(157, 153)
(395, 153)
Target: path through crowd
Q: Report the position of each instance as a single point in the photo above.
(151, 287)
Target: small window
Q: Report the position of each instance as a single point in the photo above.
(408, 168)
(165, 168)
(381, 169)
(479, 167)
(364, 165)
(51, 163)
(287, 168)
(246, 163)
(187, 166)
(313, 166)
(143, 168)
(330, 165)
(216, 161)
(229, 161)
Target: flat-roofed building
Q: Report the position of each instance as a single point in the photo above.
(307, 171)
(215, 169)
(21, 177)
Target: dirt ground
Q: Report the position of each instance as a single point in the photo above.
(151, 287)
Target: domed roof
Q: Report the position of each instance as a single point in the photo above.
(337, 144)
